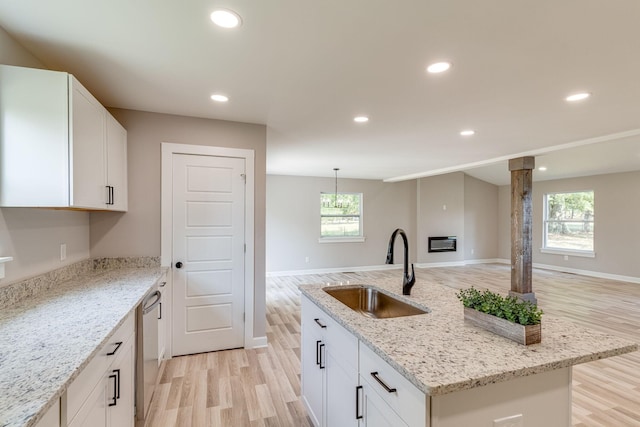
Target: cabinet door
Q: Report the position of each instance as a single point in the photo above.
(34, 137)
(87, 142)
(117, 164)
(163, 312)
(376, 412)
(313, 367)
(120, 389)
(93, 411)
(341, 386)
(52, 417)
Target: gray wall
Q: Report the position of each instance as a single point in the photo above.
(441, 213)
(31, 236)
(293, 222)
(137, 232)
(480, 219)
(616, 228)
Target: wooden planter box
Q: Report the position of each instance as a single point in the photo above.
(531, 334)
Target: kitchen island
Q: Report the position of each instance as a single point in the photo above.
(456, 373)
(48, 338)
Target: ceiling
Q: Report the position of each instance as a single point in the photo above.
(306, 68)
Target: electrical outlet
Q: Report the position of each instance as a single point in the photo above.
(566, 257)
(63, 251)
(306, 259)
(512, 421)
(473, 251)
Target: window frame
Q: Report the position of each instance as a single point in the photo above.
(589, 253)
(344, 239)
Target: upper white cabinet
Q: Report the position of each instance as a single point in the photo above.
(60, 147)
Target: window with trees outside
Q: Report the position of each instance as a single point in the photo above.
(568, 222)
(340, 215)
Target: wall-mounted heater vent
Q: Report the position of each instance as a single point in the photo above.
(442, 244)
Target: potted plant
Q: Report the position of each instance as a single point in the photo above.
(506, 316)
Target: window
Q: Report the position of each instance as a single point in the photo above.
(340, 216)
(568, 222)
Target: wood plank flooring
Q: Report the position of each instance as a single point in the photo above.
(261, 387)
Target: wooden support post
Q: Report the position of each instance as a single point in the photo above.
(521, 228)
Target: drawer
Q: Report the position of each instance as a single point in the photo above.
(407, 400)
(92, 374)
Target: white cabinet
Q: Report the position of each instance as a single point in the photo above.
(344, 383)
(374, 411)
(163, 312)
(60, 147)
(116, 180)
(388, 395)
(103, 394)
(52, 417)
(329, 369)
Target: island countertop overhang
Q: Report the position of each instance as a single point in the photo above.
(440, 353)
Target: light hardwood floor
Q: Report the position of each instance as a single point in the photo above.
(261, 387)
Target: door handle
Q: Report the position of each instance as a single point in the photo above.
(178, 264)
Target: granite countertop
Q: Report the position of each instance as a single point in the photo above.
(440, 353)
(47, 339)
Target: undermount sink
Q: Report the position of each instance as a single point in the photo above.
(371, 302)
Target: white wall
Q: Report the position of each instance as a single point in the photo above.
(480, 219)
(441, 213)
(616, 226)
(293, 222)
(33, 236)
(137, 232)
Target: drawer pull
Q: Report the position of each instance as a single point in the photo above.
(318, 352)
(118, 344)
(116, 387)
(382, 383)
(358, 415)
(319, 323)
(321, 362)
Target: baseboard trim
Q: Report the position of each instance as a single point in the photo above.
(333, 270)
(259, 342)
(588, 273)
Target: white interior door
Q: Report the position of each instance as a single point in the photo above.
(209, 242)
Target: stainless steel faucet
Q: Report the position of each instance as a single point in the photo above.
(407, 281)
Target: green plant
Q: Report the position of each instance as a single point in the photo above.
(510, 308)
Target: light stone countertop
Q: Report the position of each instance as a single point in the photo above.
(47, 339)
(440, 353)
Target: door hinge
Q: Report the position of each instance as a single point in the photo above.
(245, 248)
(244, 317)
(244, 177)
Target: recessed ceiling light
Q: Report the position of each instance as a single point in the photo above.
(542, 168)
(361, 119)
(468, 132)
(578, 96)
(438, 67)
(226, 18)
(219, 98)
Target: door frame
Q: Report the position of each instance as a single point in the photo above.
(166, 222)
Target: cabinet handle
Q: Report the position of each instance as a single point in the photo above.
(358, 415)
(117, 372)
(319, 323)
(108, 194)
(382, 383)
(160, 314)
(321, 365)
(114, 376)
(162, 284)
(118, 344)
(318, 352)
(113, 197)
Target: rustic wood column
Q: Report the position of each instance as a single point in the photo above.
(521, 227)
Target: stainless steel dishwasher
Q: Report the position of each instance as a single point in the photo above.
(147, 315)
